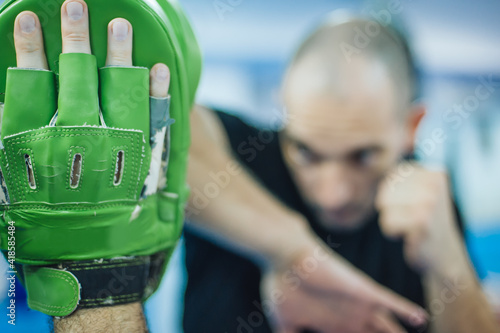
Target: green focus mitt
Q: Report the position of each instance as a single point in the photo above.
(93, 188)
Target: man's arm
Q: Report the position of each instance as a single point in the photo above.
(457, 302)
(334, 296)
(120, 318)
(243, 212)
(454, 295)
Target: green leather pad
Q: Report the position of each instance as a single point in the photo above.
(38, 94)
(52, 291)
(124, 91)
(105, 231)
(78, 102)
(52, 150)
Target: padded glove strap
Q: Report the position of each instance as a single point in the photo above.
(90, 284)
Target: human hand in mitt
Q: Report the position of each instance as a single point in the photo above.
(87, 217)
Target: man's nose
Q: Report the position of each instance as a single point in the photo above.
(334, 189)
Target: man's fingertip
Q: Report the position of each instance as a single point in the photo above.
(419, 318)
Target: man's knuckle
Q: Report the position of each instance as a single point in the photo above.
(120, 57)
(29, 47)
(76, 37)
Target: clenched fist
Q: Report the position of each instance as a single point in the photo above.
(418, 208)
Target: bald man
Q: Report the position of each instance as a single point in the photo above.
(333, 227)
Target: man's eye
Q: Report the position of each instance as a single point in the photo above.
(363, 158)
(307, 156)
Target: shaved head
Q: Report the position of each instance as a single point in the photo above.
(330, 50)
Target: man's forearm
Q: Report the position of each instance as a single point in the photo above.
(455, 299)
(243, 210)
(120, 318)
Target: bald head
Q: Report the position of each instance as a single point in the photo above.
(334, 51)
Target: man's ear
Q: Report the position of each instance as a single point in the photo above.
(415, 115)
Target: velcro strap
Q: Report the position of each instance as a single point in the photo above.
(52, 291)
(61, 289)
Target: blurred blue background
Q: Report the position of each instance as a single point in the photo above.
(247, 44)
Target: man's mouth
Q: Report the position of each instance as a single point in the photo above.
(339, 216)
